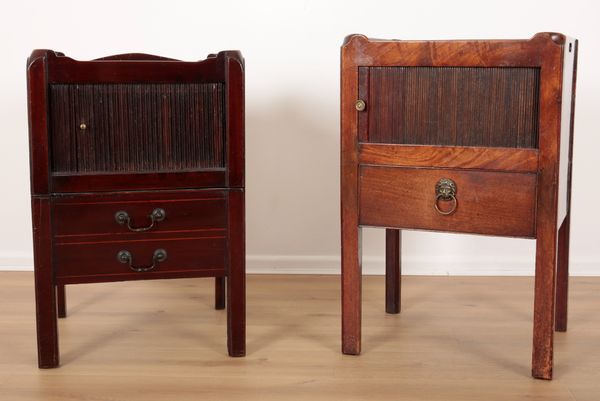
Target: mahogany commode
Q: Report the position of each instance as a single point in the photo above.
(137, 172)
(471, 136)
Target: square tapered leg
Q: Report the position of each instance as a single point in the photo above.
(544, 302)
(45, 290)
(220, 293)
(393, 278)
(61, 301)
(562, 275)
(236, 279)
(351, 289)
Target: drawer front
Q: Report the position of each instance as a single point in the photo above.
(138, 215)
(123, 128)
(493, 203)
(89, 261)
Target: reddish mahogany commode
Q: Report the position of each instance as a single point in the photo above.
(137, 172)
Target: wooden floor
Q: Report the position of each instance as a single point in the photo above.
(457, 338)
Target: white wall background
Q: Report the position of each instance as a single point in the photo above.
(292, 85)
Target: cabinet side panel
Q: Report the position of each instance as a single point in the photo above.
(567, 115)
(235, 122)
(37, 105)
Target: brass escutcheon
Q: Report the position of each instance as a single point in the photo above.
(360, 105)
(445, 190)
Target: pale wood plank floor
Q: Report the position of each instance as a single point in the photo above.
(457, 338)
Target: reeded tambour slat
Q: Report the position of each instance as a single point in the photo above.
(136, 127)
(454, 106)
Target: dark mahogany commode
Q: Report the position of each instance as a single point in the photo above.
(137, 172)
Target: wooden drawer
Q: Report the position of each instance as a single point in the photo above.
(96, 215)
(494, 203)
(93, 261)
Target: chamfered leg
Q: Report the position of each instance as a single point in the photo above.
(61, 300)
(219, 292)
(393, 271)
(236, 279)
(562, 275)
(349, 199)
(544, 301)
(45, 290)
(351, 288)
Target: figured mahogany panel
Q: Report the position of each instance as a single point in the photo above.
(491, 203)
(467, 157)
(455, 106)
(111, 128)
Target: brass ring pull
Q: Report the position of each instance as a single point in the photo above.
(440, 211)
(122, 217)
(124, 256)
(445, 190)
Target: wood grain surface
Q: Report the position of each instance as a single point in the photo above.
(438, 97)
(93, 215)
(457, 339)
(105, 135)
(456, 106)
(467, 157)
(137, 127)
(490, 203)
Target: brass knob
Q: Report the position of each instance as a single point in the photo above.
(360, 105)
(445, 190)
(82, 126)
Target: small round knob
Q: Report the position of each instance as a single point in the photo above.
(160, 255)
(124, 256)
(122, 217)
(82, 126)
(158, 214)
(360, 105)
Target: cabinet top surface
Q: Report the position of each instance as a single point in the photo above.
(557, 38)
(53, 55)
(542, 50)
